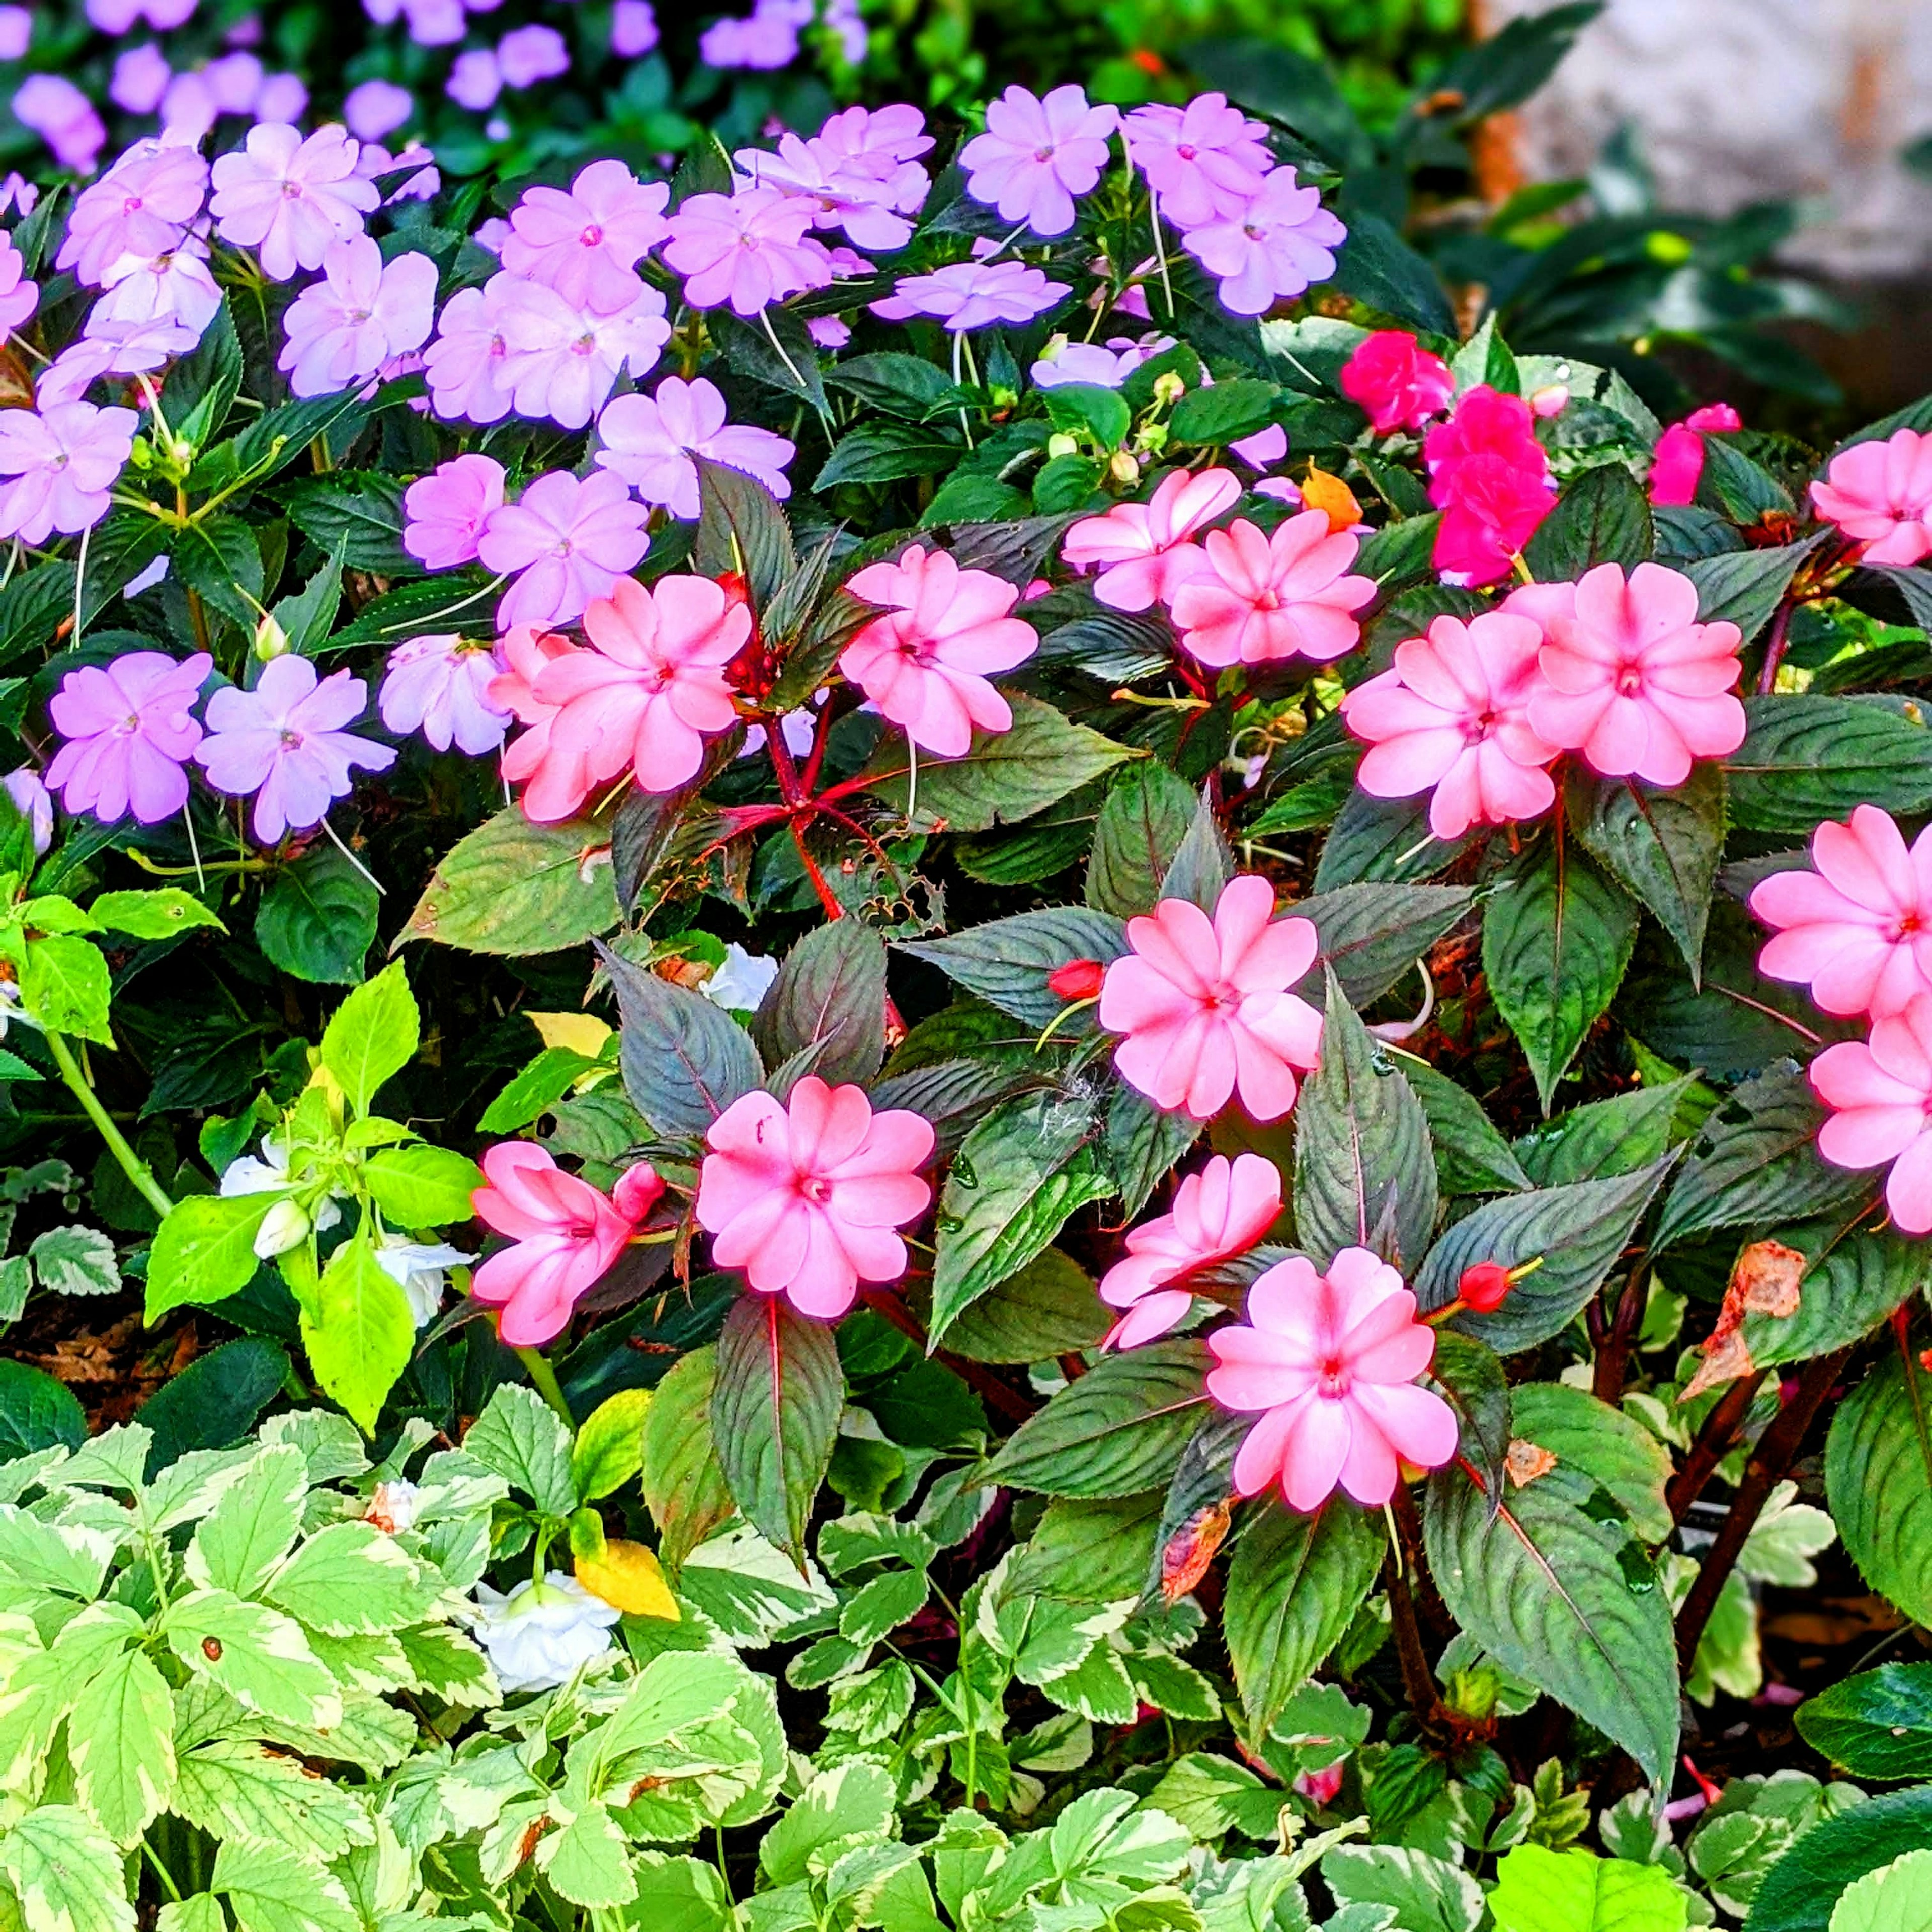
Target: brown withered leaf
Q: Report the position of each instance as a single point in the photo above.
(1184, 1561)
(1766, 1280)
(1526, 1461)
(1726, 1358)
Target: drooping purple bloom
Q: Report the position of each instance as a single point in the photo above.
(527, 55)
(634, 29)
(475, 78)
(128, 733)
(561, 361)
(289, 198)
(363, 312)
(283, 743)
(649, 441)
(63, 117)
(444, 512)
(377, 108)
(142, 206)
(64, 462)
(1037, 156)
(440, 687)
(570, 540)
(28, 792)
(1205, 162)
(971, 295)
(585, 242)
(1279, 244)
(141, 77)
(747, 250)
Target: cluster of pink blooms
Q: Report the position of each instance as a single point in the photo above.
(1880, 494)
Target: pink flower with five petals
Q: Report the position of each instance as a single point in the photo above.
(747, 250)
(444, 512)
(1146, 551)
(1264, 598)
(1205, 162)
(1038, 154)
(1880, 494)
(1678, 464)
(1880, 1091)
(590, 237)
(288, 198)
(570, 540)
(364, 313)
(1397, 382)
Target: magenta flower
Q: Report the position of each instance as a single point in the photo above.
(466, 364)
(1205, 1009)
(56, 110)
(925, 665)
(1146, 551)
(289, 198)
(363, 312)
(973, 294)
(1398, 382)
(444, 512)
(1880, 1091)
(128, 731)
(142, 206)
(283, 743)
(562, 362)
(440, 687)
(1263, 598)
(1631, 679)
(475, 80)
(1331, 1360)
(1205, 162)
(140, 78)
(570, 541)
(1037, 156)
(1880, 494)
(1678, 464)
(587, 241)
(1222, 1211)
(64, 461)
(805, 1195)
(527, 55)
(649, 441)
(746, 250)
(634, 29)
(1282, 241)
(19, 296)
(1491, 508)
(1858, 930)
(1453, 714)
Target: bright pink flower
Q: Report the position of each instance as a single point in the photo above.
(1222, 1211)
(1491, 508)
(1265, 599)
(525, 652)
(1881, 494)
(1331, 1360)
(570, 540)
(1487, 422)
(363, 312)
(1146, 551)
(1678, 464)
(440, 686)
(565, 1234)
(973, 294)
(1280, 243)
(466, 362)
(1037, 156)
(1631, 679)
(804, 1197)
(649, 441)
(1453, 713)
(641, 698)
(747, 250)
(1205, 1007)
(1396, 381)
(128, 731)
(562, 362)
(1858, 930)
(444, 512)
(925, 664)
(604, 226)
(288, 198)
(1205, 162)
(142, 206)
(1881, 1093)
(66, 459)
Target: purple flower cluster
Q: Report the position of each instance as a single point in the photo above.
(768, 37)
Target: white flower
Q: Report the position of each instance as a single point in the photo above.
(11, 1009)
(282, 1227)
(537, 1637)
(246, 1175)
(417, 1268)
(393, 1507)
(742, 982)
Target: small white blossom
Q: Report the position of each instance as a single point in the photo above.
(538, 1637)
(394, 1506)
(417, 1268)
(247, 1174)
(282, 1227)
(742, 982)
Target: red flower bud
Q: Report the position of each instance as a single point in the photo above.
(1484, 1287)
(736, 587)
(1078, 980)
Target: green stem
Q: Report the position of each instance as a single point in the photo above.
(545, 1379)
(137, 1169)
(161, 1871)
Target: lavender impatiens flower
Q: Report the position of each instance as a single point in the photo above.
(28, 791)
(527, 55)
(18, 296)
(173, 287)
(444, 512)
(142, 206)
(858, 171)
(440, 685)
(649, 441)
(570, 540)
(584, 242)
(288, 198)
(56, 110)
(1038, 156)
(63, 461)
(465, 364)
(363, 313)
(475, 78)
(561, 360)
(283, 743)
(128, 733)
(377, 108)
(973, 294)
(747, 251)
(634, 29)
(1205, 162)
(1279, 245)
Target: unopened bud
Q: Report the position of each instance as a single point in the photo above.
(283, 1227)
(1168, 388)
(1484, 1287)
(1550, 401)
(1319, 1787)
(1078, 980)
(1061, 444)
(271, 641)
(141, 453)
(1123, 468)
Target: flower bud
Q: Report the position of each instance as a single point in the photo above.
(1124, 469)
(1168, 388)
(271, 641)
(1061, 444)
(1484, 1287)
(1551, 400)
(1078, 980)
(1319, 1787)
(735, 586)
(282, 1227)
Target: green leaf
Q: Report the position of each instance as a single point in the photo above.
(1662, 846)
(774, 1410)
(1852, 1283)
(831, 988)
(1595, 1444)
(887, 452)
(1544, 1590)
(1202, 863)
(305, 617)
(1373, 934)
(156, 914)
(1603, 517)
(685, 1060)
(1471, 1157)
(260, 1657)
(205, 1250)
(1364, 1174)
(1008, 961)
(1897, 1897)
(218, 559)
(1085, 408)
(234, 1788)
(1877, 1724)
(1606, 1137)
(317, 919)
(357, 513)
(848, 1802)
(1806, 759)
(1017, 1177)
(66, 1874)
(1878, 1478)
(1226, 413)
(1142, 1144)
(120, 1741)
(359, 1334)
(272, 1889)
(1538, 1890)
(371, 1037)
(1119, 1429)
(1293, 1587)
(277, 436)
(1556, 938)
(65, 988)
(610, 1446)
(199, 1911)
(37, 1412)
(1471, 1374)
(422, 1187)
(1144, 817)
(1426, 1893)
(1002, 776)
(253, 1526)
(741, 529)
(1378, 267)
(1801, 1891)
(76, 1260)
(215, 1400)
(681, 1476)
(519, 1436)
(1745, 587)
(1379, 839)
(536, 1090)
(353, 1579)
(1049, 1308)
(515, 888)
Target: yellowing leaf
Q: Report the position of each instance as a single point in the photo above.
(581, 1033)
(629, 1579)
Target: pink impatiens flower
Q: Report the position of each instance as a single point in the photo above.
(128, 733)
(142, 206)
(283, 741)
(1880, 494)
(805, 1196)
(1263, 598)
(1678, 464)
(1398, 382)
(1631, 678)
(1280, 243)
(565, 1234)
(745, 250)
(1205, 162)
(444, 512)
(525, 652)
(966, 295)
(64, 459)
(1490, 478)
(1331, 1361)
(570, 540)
(1453, 713)
(858, 171)
(465, 365)
(1037, 156)
(1880, 1091)
(649, 441)
(1145, 550)
(1858, 930)
(362, 313)
(440, 686)
(926, 663)
(562, 362)
(1205, 1005)
(1222, 1211)
(289, 198)
(590, 237)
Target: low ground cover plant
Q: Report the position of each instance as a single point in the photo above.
(1036, 1075)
